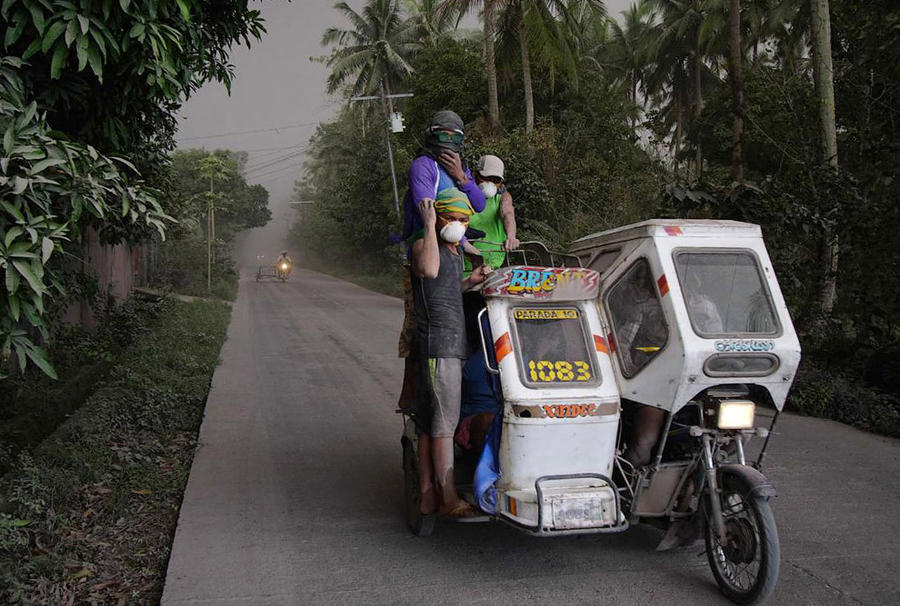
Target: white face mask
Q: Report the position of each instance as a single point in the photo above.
(488, 188)
(453, 232)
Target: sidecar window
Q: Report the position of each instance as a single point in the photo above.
(724, 293)
(639, 325)
(604, 259)
(552, 347)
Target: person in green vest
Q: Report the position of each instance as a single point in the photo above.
(498, 219)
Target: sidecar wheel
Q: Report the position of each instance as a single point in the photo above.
(746, 567)
(421, 525)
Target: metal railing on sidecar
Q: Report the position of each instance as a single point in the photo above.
(532, 253)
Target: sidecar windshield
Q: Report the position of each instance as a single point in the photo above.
(724, 293)
(552, 347)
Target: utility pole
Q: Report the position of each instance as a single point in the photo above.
(395, 124)
(210, 232)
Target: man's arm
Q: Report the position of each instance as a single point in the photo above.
(422, 178)
(477, 276)
(426, 257)
(508, 215)
(473, 192)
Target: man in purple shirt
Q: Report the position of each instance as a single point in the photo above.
(438, 166)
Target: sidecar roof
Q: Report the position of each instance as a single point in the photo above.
(653, 228)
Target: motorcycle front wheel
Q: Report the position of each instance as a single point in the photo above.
(746, 565)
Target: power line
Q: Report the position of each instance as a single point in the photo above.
(265, 151)
(277, 170)
(273, 157)
(251, 132)
(271, 163)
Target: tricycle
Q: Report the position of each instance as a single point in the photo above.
(681, 321)
(280, 271)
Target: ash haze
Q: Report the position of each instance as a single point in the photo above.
(279, 92)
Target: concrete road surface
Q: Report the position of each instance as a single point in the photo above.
(295, 495)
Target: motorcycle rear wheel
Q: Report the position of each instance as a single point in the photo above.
(746, 567)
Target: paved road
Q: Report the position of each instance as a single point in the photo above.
(295, 493)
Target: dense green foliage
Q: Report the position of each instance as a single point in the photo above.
(89, 92)
(88, 517)
(50, 189)
(113, 73)
(635, 119)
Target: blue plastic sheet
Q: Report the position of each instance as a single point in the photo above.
(488, 470)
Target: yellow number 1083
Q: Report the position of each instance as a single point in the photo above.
(545, 371)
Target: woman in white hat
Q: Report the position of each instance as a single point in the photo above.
(498, 219)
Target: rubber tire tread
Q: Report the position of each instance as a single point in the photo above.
(771, 548)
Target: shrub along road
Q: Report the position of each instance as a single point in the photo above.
(295, 494)
(87, 517)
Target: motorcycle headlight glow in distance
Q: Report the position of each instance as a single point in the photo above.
(284, 266)
(736, 414)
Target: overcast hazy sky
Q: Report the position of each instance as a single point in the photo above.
(276, 87)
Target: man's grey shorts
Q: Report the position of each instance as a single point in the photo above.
(446, 381)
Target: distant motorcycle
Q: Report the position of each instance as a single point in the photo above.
(283, 271)
(280, 271)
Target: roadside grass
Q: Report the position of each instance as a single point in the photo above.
(387, 280)
(88, 516)
(32, 407)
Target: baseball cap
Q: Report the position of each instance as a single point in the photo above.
(490, 166)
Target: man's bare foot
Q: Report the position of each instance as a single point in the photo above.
(460, 509)
(427, 501)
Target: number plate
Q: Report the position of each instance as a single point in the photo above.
(585, 512)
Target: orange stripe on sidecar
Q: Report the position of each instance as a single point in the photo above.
(600, 344)
(663, 285)
(502, 347)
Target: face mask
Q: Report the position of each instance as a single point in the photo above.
(453, 232)
(488, 188)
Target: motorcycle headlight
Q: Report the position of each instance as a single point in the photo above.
(736, 414)
(284, 266)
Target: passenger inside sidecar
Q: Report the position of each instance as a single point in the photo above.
(480, 389)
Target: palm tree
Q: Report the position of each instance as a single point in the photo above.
(628, 50)
(545, 25)
(458, 8)
(432, 22)
(823, 72)
(687, 31)
(735, 60)
(375, 52)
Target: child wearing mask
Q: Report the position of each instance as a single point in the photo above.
(440, 332)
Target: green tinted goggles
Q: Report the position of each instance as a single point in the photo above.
(445, 137)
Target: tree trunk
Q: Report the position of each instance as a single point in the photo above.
(633, 78)
(679, 131)
(737, 91)
(823, 73)
(526, 69)
(490, 67)
(824, 76)
(698, 107)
